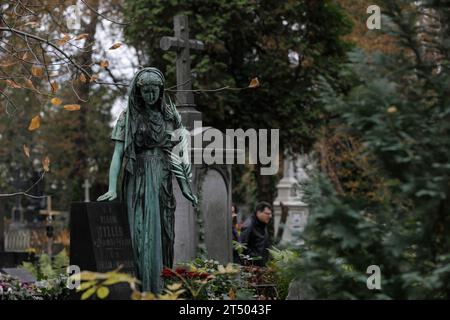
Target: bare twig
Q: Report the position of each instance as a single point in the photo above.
(37, 181)
(9, 102)
(42, 40)
(22, 194)
(103, 16)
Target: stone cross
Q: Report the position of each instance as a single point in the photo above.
(86, 185)
(49, 213)
(182, 45)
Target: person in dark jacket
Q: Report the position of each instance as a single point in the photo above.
(254, 233)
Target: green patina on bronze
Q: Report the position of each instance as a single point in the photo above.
(143, 140)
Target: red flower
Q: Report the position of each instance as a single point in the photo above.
(167, 273)
(181, 271)
(204, 275)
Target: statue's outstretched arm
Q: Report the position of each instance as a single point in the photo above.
(114, 171)
(187, 191)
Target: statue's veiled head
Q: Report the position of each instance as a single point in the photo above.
(150, 83)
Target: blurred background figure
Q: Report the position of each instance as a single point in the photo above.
(255, 236)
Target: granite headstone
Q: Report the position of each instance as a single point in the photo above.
(23, 275)
(100, 241)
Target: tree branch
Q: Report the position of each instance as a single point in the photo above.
(103, 16)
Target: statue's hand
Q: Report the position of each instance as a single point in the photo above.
(110, 195)
(194, 201)
(192, 198)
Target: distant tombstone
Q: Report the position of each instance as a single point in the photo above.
(290, 195)
(23, 275)
(216, 210)
(100, 241)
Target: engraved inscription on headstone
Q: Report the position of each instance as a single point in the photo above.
(100, 240)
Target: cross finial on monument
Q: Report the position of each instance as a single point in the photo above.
(182, 45)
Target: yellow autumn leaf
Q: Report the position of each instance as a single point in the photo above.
(46, 164)
(37, 71)
(148, 296)
(86, 276)
(29, 84)
(72, 107)
(136, 295)
(102, 292)
(86, 285)
(8, 64)
(115, 46)
(26, 55)
(83, 78)
(63, 40)
(26, 150)
(232, 294)
(32, 24)
(104, 64)
(54, 86)
(82, 36)
(174, 287)
(13, 84)
(94, 77)
(56, 101)
(88, 293)
(254, 83)
(35, 123)
(392, 109)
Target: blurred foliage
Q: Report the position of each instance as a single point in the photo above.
(46, 267)
(51, 280)
(280, 262)
(382, 196)
(96, 284)
(368, 40)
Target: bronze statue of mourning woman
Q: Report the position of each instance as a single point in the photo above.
(146, 135)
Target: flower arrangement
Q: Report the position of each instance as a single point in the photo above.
(208, 279)
(50, 289)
